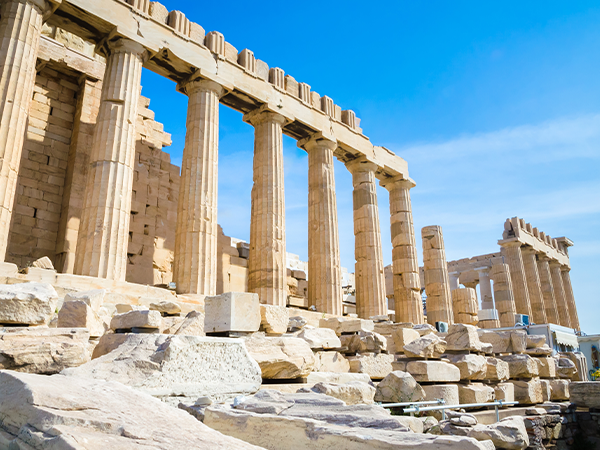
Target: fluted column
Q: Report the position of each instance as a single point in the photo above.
(104, 228)
(20, 30)
(566, 277)
(534, 286)
(512, 254)
(547, 290)
(559, 294)
(437, 283)
(195, 261)
(267, 260)
(485, 288)
(405, 264)
(503, 294)
(368, 272)
(324, 267)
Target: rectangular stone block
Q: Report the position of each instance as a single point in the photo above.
(232, 311)
(429, 371)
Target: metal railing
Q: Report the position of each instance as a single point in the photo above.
(496, 404)
(437, 401)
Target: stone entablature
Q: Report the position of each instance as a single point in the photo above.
(517, 229)
(180, 54)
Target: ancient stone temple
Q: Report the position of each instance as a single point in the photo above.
(84, 180)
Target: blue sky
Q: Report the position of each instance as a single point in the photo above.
(495, 106)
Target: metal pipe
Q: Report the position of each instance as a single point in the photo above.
(397, 405)
(468, 405)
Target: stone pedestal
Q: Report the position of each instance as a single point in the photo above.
(437, 284)
(104, 229)
(369, 276)
(324, 267)
(195, 259)
(512, 255)
(547, 289)
(485, 288)
(534, 286)
(20, 29)
(267, 259)
(559, 295)
(566, 277)
(503, 294)
(232, 312)
(405, 264)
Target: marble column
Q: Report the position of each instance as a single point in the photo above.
(559, 294)
(267, 259)
(512, 255)
(566, 277)
(195, 259)
(104, 228)
(547, 289)
(369, 277)
(20, 30)
(324, 267)
(485, 288)
(503, 294)
(437, 283)
(534, 286)
(405, 264)
(464, 306)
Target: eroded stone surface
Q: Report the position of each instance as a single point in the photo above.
(318, 338)
(428, 346)
(281, 357)
(27, 303)
(398, 387)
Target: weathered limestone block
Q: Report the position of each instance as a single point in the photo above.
(399, 387)
(165, 307)
(428, 346)
(42, 350)
(170, 324)
(281, 357)
(518, 340)
(521, 366)
(429, 371)
(136, 319)
(546, 390)
(404, 336)
(67, 412)
(43, 263)
(178, 368)
(463, 337)
(337, 378)
(472, 367)
(333, 362)
(108, 343)
(125, 307)
(27, 303)
(377, 366)
(565, 368)
(424, 328)
(388, 328)
(509, 433)
(475, 393)
(320, 338)
(581, 365)
(500, 340)
(352, 393)
(535, 340)
(347, 325)
(77, 314)
(446, 392)
(539, 351)
(497, 370)
(505, 392)
(585, 394)
(297, 323)
(192, 325)
(93, 298)
(528, 392)
(274, 319)
(232, 311)
(546, 367)
(364, 342)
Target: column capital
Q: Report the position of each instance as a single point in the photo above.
(361, 164)
(192, 86)
(565, 268)
(125, 45)
(485, 270)
(554, 263)
(317, 141)
(526, 249)
(510, 243)
(264, 114)
(396, 182)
